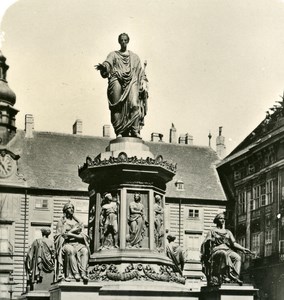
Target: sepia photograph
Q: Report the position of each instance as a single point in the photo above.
(142, 149)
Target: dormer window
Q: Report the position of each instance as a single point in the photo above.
(179, 185)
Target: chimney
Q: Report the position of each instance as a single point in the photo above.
(220, 144)
(173, 134)
(188, 139)
(156, 137)
(185, 139)
(78, 127)
(181, 139)
(29, 125)
(106, 131)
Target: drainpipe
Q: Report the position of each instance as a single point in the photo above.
(179, 221)
(25, 236)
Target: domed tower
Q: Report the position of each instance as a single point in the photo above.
(7, 101)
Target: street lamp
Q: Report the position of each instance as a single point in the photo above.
(11, 283)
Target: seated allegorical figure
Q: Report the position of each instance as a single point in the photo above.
(39, 261)
(71, 246)
(221, 263)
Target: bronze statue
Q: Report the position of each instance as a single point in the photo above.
(72, 247)
(158, 222)
(137, 223)
(221, 263)
(127, 89)
(175, 253)
(40, 258)
(108, 221)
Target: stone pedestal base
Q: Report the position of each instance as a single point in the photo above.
(122, 291)
(36, 295)
(228, 292)
(128, 145)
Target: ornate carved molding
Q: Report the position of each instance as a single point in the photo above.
(124, 159)
(139, 271)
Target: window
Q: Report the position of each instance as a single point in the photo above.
(268, 243)
(251, 169)
(193, 213)
(255, 197)
(5, 246)
(180, 185)
(242, 202)
(242, 241)
(4, 288)
(237, 175)
(281, 247)
(269, 191)
(263, 194)
(41, 203)
(255, 243)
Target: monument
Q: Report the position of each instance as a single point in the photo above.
(72, 247)
(222, 264)
(125, 253)
(127, 186)
(39, 265)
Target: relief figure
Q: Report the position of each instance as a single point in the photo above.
(137, 223)
(109, 222)
(158, 222)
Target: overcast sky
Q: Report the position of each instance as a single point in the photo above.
(210, 63)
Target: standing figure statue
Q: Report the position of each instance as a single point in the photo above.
(40, 259)
(108, 221)
(137, 223)
(127, 89)
(158, 222)
(221, 263)
(72, 247)
(175, 253)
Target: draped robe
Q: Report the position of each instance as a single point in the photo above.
(127, 92)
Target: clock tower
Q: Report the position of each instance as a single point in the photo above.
(7, 101)
(8, 159)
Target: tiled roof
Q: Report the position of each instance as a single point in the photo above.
(270, 126)
(51, 160)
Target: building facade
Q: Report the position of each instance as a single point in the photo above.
(252, 176)
(39, 174)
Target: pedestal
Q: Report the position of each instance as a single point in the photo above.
(122, 291)
(36, 295)
(228, 292)
(137, 252)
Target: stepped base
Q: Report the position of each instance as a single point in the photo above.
(228, 292)
(35, 295)
(121, 291)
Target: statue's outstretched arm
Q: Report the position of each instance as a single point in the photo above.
(103, 68)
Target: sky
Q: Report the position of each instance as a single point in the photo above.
(210, 63)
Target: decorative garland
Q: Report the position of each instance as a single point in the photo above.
(123, 159)
(139, 272)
